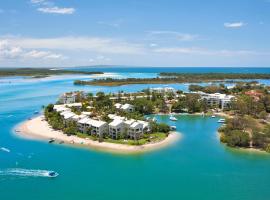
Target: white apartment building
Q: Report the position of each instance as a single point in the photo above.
(219, 100)
(163, 90)
(126, 107)
(96, 127)
(116, 128)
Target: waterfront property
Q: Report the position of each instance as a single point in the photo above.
(217, 100)
(119, 126)
(71, 97)
(116, 128)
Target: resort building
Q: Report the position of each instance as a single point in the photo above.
(71, 97)
(67, 115)
(146, 126)
(60, 108)
(67, 98)
(116, 128)
(82, 124)
(163, 90)
(126, 107)
(218, 100)
(77, 105)
(99, 128)
(114, 117)
(94, 126)
(135, 130)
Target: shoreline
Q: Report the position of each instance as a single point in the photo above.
(39, 129)
(243, 149)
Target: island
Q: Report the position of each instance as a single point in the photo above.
(167, 78)
(40, 72)
(100, 122)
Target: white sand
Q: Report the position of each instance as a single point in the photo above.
(38, 128)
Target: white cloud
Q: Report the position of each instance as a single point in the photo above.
(43, 54)
(172, 35)
(50, 7)
(37, 1)
(115, 23)
(153, 45)
(57, 10)
(202, 51)
(234, 25)
(93, 44)
(99, 58)
(8, 51)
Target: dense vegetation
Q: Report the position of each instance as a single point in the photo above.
(215, 76)
(166, 78)
(250, 125)
(245, 131)
(39, 72)
(102, 106)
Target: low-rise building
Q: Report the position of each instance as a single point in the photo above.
(135, 130)
(67, 115)
(60, 108)
(99, 128)
(163, 90)
(218, 100)
(71, 97)
(126, 107)
(67, 98)
(116, 128)
(91, 126)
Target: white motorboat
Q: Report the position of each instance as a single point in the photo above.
(52, 174)
(172, 118)
(221, 121)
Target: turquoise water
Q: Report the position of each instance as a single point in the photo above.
(195, 167)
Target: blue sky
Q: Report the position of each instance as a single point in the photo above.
(61, 33)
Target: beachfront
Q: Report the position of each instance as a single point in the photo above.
(38, 128)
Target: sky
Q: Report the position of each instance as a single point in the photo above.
(161, 33)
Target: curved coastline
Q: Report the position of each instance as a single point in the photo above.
(38, 129)
(242, 149)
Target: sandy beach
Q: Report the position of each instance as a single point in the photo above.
(38, 129)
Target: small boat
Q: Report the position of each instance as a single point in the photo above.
(51, 140)
(172, 118)
(154, 119)
(52, 174)
(36, 112)
(213, 116)
(173, 128)
(221, 121)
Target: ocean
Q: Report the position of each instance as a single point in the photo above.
(196, 167)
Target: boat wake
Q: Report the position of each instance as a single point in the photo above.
(5, 149)
(27, 172)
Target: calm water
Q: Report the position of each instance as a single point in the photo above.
(195, 167)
